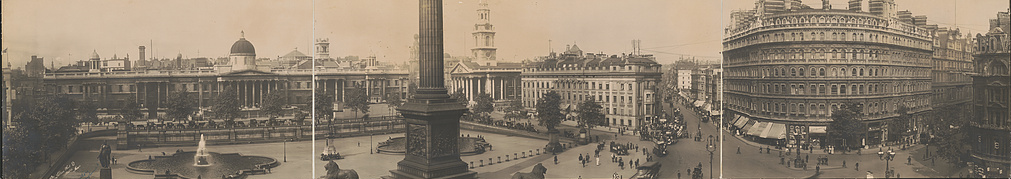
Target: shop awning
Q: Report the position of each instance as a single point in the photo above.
(741, 121)
(817, 129)
(698, 103)
(747, 126)
(758, 129)
(706, 107)
(777, 131)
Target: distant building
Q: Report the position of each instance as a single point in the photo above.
(952, 63)
(8, 94)
(684, 78)
(108, 89)
(484, 73)
(991, 119)
(626, 85)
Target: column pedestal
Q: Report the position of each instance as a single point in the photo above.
(105, 173)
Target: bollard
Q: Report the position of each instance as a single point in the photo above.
(507, 157)
(538, 151)
(490, 162)
(531, 153)
(524, 154)
(471, 164)
(515, 156)
(482, 163)
(499, 159)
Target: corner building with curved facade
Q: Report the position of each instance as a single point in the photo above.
(788, 68)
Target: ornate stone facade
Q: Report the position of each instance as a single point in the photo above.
(991, 121)
(624, 85)
(795, 67)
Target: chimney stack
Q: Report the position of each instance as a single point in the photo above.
(142, 60)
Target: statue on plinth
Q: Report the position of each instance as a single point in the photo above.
(536, 173)
(333, 171)
(105, 155)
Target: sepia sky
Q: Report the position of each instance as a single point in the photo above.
(67, 31)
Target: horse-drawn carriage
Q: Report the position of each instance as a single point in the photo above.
(619, 149)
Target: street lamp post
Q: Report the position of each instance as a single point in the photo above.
(711, 147)
(888, 158)
(284, 146)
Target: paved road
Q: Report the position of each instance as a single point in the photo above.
(751, 164)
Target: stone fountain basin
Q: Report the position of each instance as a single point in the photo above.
(182, 163)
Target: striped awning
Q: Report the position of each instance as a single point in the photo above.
(698, 103)
(777, 131)
(747, 126)
(759, 129)
(741, 121)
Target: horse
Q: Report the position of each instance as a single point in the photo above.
(537, 173)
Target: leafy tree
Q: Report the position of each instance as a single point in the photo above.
(590, 114)
(393, 100)
(180, 106)
(42, 125)
(898, 128)
(412, 88)
(323, 103)
(131, 110)
(950, 138)
(484, 104)
(515, 111)
(227, 104)
(846, 124)
(87, 111)
(460, 96)
(273, 104)
(358, 101)
(549, 112)
(300, 117)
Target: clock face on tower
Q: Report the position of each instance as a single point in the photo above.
(487, 54)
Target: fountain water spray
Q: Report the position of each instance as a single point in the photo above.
(200, 158)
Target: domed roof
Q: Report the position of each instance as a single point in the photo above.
(243, 47)
(94, 54)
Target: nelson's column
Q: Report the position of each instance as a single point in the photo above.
(433, 119)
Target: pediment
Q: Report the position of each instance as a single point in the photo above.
(460, 68)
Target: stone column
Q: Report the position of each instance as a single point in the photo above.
(489, 85)
(470, 88)
(432, 118)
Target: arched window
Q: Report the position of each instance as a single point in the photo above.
(821, 72)
(997, 68)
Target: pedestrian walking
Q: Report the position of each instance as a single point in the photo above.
(580, 157)
(817, 169)
(556, 160)
(738, 149)
(844, 164)
(679, 175)
(909, 160)
(856, 166)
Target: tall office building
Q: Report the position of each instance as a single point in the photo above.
(786, 72)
